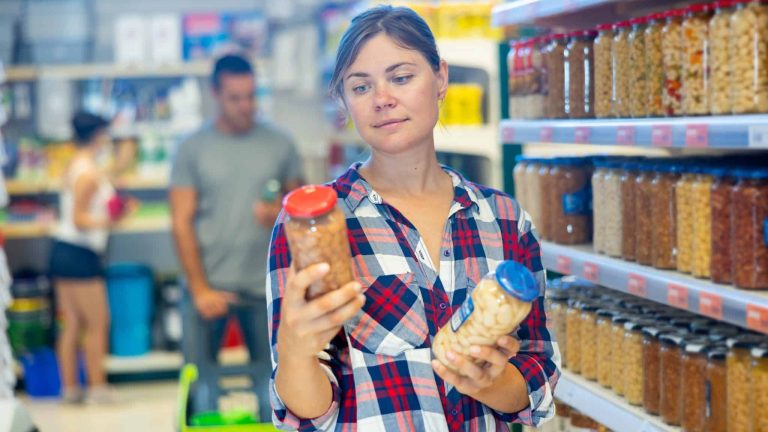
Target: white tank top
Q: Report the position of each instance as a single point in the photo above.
(94, 239)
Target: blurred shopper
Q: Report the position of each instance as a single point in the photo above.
(220, 182)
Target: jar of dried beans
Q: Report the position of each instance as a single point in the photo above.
(603, 70)
(720, 205)
(749, 45)
(571, 214)
(664, 217)
(620, 53)
(749, 229)
(643, 220)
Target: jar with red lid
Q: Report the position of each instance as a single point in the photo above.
(720, 83)
(695, 64)
(537, 72)
(749, 48)
(654, 65)
(316, 229)
(620, 53)
(603, 70)
(514, 82)
(579, 57)
(672, 51)
(749, 229)
(720, 206)
(556, 81)
(638, 71)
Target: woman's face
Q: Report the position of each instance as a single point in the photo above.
(393, 95)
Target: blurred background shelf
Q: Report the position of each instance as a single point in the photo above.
(20, 187)
(106, 70)
(28, 230)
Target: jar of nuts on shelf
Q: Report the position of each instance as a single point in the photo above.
(720, 206)
(749, 247)
(702, 227)
(739, 394)
(603, 70)
(638, 70)
(654, 65)
(749, 45)
(695, 77)
(664, 216)
(580, 59)
(620, 53)
(694, 365)
(720, 83)
(672, 52)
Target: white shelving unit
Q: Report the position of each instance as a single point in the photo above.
(28, 230)
(106, 70)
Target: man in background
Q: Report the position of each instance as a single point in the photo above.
(223, 178)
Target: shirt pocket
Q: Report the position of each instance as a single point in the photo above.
(392, 321)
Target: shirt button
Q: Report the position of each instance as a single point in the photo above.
(454, 412)
(443, 306)
(446, 253)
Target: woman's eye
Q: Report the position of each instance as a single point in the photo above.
(359, 89)
(402, 79)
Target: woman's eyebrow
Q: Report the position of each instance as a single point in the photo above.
(387, 70)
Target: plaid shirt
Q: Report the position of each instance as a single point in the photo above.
(379, 367)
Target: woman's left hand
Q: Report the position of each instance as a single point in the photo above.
(470, 379)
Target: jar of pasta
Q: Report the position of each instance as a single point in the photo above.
(702, 223)
(588, 341)
(599, 199)
(580, 58)
(573, 330)
(739, 393)
(715, 418)
(695, 78)
(672, 51)
(545, 198)
(518, 174)
(628, 180)
(671, 397)
(759, 379)
(571, 215)
(632, 351)
(556, 81)
(643, 220)
(749, 45)
(558, 309)
(664, 218)
(654, 65)
(638, 90)
(622, 85)
(533, 191)
(749, 233)
(604, 348)
(652, 365)
(720, 82)
(612, 208)
(694, 364)
(684, 215)
(720, 205)
(603, 70)
(617, 342)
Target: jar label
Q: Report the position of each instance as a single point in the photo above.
(462, 314)
(577, 203)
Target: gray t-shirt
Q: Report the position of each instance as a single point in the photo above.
(229, 174)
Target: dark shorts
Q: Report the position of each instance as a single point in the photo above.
(69, 261)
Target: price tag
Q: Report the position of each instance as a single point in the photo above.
(757, 318)
(711, 305)
(625, 135)
(545, 134)
(636, 285)
(591, 272)
(758, 136)
(581, 135)
(661, 136)
(564, 265)
(697, 136)
(507, 135)
(677, 296)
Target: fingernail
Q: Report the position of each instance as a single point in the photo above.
(474, 350)
(450, 356)
(323, 267)
(358, 287)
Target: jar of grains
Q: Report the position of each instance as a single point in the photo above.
(652, 365)
(715, 418)
(599, 199)
(643, 220)
(720, 204)
(654, 65)
(621, 73)
(759, 379)
(612, 206)
(749, 233)
(580, 58)
(571, 201)
(588, 341)
(573, 330)
(632, 351)
(603, 70)
(545, 198)
(514, 79)
(670, 355)
(695, 63)
(558, 309)
(684, 215)
(638, 90)
(663, 211)
(604, 348)
(720, 83)
(672, 51)
(694, 363)
(749, 68)
(555, 60)
(533, 191)
(739, 393)
(628, 180)
(518, 174)
(702, 223)
(536, 97)
(617, 344)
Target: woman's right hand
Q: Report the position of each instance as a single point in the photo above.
(307, 326)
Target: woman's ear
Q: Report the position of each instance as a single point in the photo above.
(442, 80)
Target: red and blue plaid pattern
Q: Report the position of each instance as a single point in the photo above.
(379, 366)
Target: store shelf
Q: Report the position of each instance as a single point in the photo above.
(17, 187)
(748, 309)
(470, 140)
(28, 230)
(723, 132)
(605, 407)
(86, 71)
(471, 52)
(568, 13)
(155, 361)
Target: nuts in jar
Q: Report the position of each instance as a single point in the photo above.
(672, 50)
(632, 351)
(654, 65)
(643, 220)
(518, 173)
(663, 209)
(720, 82)
(603, 70)
(695, 79)
(497, 305)
(738, 362)
(749, 234)
(628, 180)
(670, 355)
(533, 192)
(702, 228)
(617, 342)
(694, 365)
(598, 205)
(684, 224)
(715, 419)
(573, 329)
(720, 200)
(638, 90)
(558, 307)
(555, 59)
(621, 74)
(546, 185)
(588, 341)
(749, 45)
(317, 233)
(759, 379)
(612, 208)
(652, 364)
(604, 347)
(571, 216)
(579, 58)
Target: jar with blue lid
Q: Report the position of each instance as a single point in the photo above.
(571, 201)
(749, 229)
(518, 174)
(663, 215)
(628, 179)
(720, 209)
(643, 219)
(496, 307)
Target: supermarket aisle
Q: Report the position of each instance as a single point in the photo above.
(145, 407)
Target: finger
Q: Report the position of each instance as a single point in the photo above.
(332, 300)
(451, 377)
(465, 366)
(298, 285)
(490, 354)
(510, 345)
(333, 318)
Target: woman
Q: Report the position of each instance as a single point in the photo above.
(76, 260)
(421, 238)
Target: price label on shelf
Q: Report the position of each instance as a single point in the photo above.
(625, 135)
(697, 136)
(546, 133)
(507, 135)
(757, 318)
(758, 136)
(661, 136)
(637, 285)
(711, 305)
(564, 265)
(581, 135)
(677, 296)
(591, 272)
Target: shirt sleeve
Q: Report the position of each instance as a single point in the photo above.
(292, 165)
(184, 171)
(282, 417)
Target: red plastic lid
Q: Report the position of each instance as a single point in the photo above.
(591, 33)
(622, 24)
(656, 16)
(604, 27)
(722, 4)
(700, 7)
(638, 20)
(558, 36)
(310, 201)
(674, 13)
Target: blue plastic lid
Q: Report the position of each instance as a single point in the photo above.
(720, 171)
(517, 281)
(521, 158)
(753, 174)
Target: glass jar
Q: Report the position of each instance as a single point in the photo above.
(702, 228)
(555, 60)
(533, 191)
(558, 309)
(716, 419)
(670, 355)
(749, 43)
(643, 220)
(749, 212)
(638, 90)
(316, 230)
(632, 352)
(684, 223)
(573, 330)
(663, 211)
(588, 341)
(617, 342)
(695, 63)
(652, 365)
(580, 64)
(612, 209)
(514, 81)
(738, 362)
(545, 185)
(672, 51)
(571, 215)
(720, 199)
(603, 70)
(604, 348)
(720, 82)
(694, 364)
(759, 380)
(628, 180)
(654, 65)
(518, 174)
(536, 97)
(621, 74)
(598, 204)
